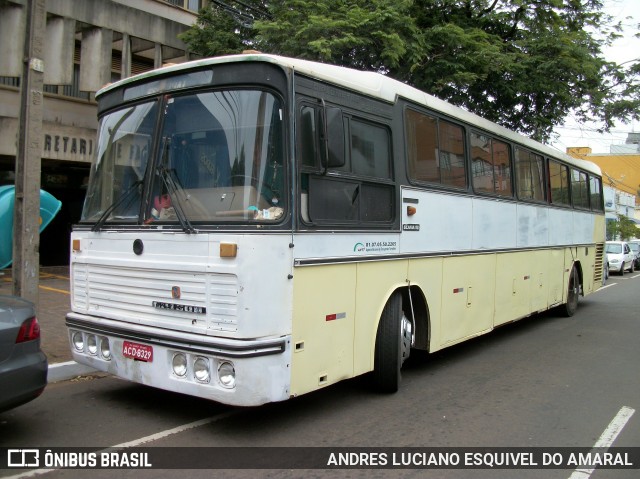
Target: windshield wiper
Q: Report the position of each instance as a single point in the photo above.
(174, 189)
(123, 197)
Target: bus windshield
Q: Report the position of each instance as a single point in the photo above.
(220, 158)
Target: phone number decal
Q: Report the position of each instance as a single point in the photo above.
(376, 247)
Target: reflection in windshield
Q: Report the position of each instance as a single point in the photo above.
(124, 143)
(220, 158)
(224, 150)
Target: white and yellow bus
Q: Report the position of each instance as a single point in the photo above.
(259, 227)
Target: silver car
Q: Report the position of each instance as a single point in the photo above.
(635, 248)
(23, 365)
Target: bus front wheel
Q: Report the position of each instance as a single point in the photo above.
(393, 345)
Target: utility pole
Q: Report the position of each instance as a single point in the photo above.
(26, 213)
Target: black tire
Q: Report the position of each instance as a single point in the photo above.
(388, 353)
(573, 294)
(632, 269)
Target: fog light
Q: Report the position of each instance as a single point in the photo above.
(227, 375)
(201, 370)
(105, 351)
(179, 364)
(78, 341)
(92, 345)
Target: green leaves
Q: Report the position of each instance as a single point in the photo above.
(219, 32)
(623, 228)
(369, 35)
(525, 64)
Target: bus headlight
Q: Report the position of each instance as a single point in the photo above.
(78, 341)
(227, 374)
(179, 364)
(92, 345)
(201, 369)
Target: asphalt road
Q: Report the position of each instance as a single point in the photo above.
(546, 381)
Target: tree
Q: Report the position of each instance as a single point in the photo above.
(371, 35)
(525, 64)
(626, 228)
(220, 30)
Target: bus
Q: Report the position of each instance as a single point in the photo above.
(259, 227)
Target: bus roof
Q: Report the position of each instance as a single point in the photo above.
(372, 84)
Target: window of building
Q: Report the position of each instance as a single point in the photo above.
(435, 150)
(193, 5)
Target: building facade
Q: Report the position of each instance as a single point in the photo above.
(88, 44)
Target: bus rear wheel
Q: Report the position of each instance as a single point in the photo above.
(393, 345)
(573, 294)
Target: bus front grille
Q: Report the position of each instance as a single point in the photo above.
(182, 300)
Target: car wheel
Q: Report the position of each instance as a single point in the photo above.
(393, 345)
(633, 267)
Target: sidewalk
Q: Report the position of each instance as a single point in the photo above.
(51, 311)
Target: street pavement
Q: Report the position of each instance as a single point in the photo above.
(53, 306)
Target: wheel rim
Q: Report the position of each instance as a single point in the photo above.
(406, 330)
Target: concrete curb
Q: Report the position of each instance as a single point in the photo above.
(67, 370)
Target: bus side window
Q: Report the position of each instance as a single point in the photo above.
(529, 175)
(559, 183)
(352, 182)
(333, 200)
(308, 128)
(579, 189)
(435, 150)
(595, 192)
(491, 165)
(308, 153)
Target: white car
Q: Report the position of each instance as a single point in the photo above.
(635, 249)
(620, 257)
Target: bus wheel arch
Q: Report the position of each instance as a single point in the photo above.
(402, 326)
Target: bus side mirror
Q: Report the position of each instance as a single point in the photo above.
(333, 138)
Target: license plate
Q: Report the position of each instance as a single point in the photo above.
(140, 352)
